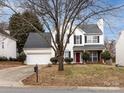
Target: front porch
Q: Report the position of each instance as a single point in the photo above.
(93, 50)
(94, 56)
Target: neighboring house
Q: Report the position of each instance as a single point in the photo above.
(86, 38)
(120, 50)
(7, 45)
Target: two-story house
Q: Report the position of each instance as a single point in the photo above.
(88, 37)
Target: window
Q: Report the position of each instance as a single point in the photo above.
(93, 56)
(67, 54)
(77, 39)
(3, 45)
(91, 39)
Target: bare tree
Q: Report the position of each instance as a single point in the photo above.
(3, 25)
(66, 14)
(110, 46)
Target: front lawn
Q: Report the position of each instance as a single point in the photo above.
(8, 64)
(79, 75)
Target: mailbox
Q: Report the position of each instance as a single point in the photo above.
(36, 71)
(36, 68)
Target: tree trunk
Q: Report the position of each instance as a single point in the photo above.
(61, 65)
(60, 53)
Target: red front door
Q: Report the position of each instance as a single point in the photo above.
(77, 57)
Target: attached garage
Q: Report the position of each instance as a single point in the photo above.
(37, 49)
(43, 58)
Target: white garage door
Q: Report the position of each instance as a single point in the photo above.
(43, 58)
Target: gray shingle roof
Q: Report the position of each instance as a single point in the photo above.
(91, 29)
(3, 32)
(6, 34)
(34, 40)
(89, 47)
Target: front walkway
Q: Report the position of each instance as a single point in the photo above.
(13, 76)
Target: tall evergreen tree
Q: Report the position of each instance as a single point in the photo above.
(19, 28)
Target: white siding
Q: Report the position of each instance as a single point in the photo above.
(120, 50)
(9, 49)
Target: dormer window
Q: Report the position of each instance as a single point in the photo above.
(77, 39)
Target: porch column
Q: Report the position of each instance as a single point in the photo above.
(99, 56)
(102, 61)
(92, 55)
(82, 59)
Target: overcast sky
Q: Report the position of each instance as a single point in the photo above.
(116, 23)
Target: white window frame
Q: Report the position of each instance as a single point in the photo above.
(93, 55)
(77, 37)
(66, 54)
(92, 39)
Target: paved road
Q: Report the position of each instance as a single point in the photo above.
(13, 76)
(44, 90)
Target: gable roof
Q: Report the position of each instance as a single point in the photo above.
(91, 29)
(3, 32)
(6, 34)
(34, 40)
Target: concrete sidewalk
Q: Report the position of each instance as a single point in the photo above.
(13, 76)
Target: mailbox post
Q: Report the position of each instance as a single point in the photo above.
(36, 72)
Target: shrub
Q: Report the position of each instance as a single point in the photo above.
(22, 57)
(3, 58)
(49, 65)
(12, 59)
(54, 60)
(68, 60)
(106, 55)
(85, 56)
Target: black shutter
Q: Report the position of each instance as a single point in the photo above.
(67, 38)
(56, 37)
(80, 39)
(98, 39)
(74, 39)
(85, 39)
(69, 54)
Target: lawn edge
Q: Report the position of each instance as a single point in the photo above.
(75, 87)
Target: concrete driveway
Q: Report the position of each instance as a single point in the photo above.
(13, 76)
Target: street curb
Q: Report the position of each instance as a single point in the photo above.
(68, 87)
(75, 87)
(102, 88)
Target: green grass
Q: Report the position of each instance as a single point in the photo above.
(93, 70)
